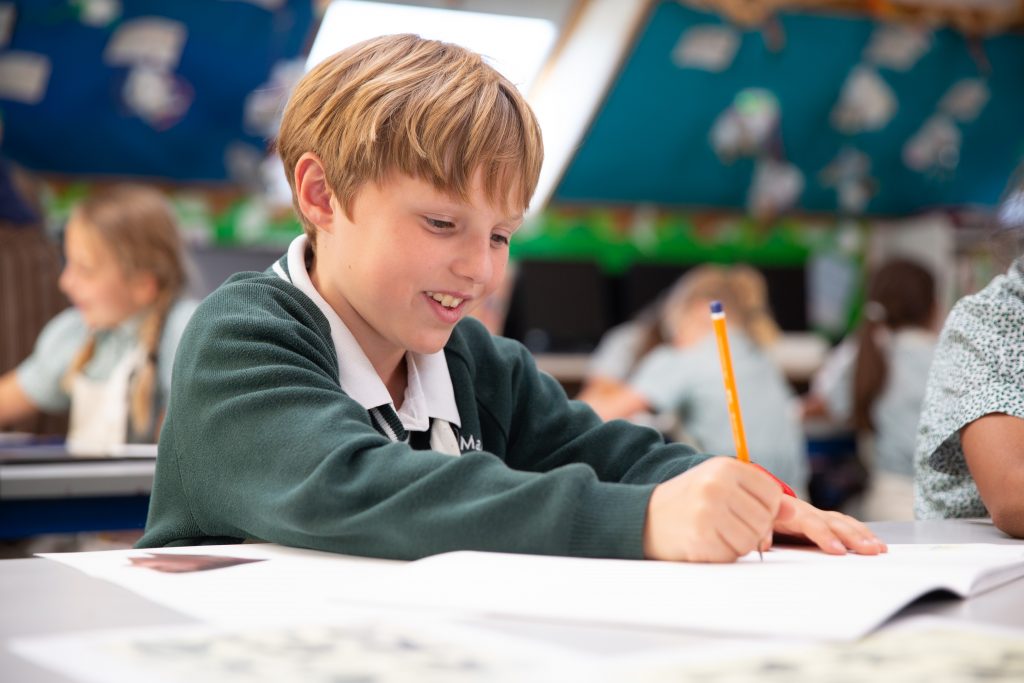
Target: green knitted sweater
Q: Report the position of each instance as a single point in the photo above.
(260, 442)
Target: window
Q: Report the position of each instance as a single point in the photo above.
(516, 46)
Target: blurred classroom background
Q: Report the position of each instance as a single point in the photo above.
(811, 139)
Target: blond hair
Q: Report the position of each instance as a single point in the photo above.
(428, 109)
(703, 283)
(752, 296)
(742, 291)
(139, 227)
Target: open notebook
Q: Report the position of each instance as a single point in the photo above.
(800, 593)
(793, 593)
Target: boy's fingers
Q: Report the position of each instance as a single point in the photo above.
(752, 512)
(833, 532)
(855, 535)
(836, 533)
(818, 531)
(738, 537)
(721, 552)
(761, 486)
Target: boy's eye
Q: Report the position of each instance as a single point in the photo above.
(439, 223)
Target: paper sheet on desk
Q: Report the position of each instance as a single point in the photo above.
(356, 648)
(386, 649)
(288, 603)
(920, 649)
(793, 593)
(289, 586)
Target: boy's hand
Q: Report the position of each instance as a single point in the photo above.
(723, 509)
(716, 512)
(833, 532)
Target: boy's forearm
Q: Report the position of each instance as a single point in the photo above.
(569, 432)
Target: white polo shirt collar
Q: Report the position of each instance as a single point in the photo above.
(429, 392)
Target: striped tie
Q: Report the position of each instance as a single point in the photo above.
(441, 437)
(386, 421)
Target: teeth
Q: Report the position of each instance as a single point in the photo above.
(446, 300)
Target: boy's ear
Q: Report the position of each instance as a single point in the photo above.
(313, 192)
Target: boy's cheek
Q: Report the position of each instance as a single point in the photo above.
(479, 310)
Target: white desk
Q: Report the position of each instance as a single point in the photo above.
(41, 597)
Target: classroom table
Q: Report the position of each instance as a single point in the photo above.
(44, 489)
(41, 597)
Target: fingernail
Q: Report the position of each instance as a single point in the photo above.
(837, 546)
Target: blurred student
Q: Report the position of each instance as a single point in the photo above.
(620, 350)
(751, 290)
(624, 346)
(875, 382)
(108, 359)
(970, 448)
(684, 376)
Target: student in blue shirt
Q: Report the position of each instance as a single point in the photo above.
(108, 358)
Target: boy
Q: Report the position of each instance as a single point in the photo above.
(343, 401)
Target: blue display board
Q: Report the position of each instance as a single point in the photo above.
(85, 125)
(650, 141)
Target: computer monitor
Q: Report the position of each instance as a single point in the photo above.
(642, 284)
(787, 295)
(558, 306)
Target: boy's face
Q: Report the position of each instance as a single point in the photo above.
(410, 263)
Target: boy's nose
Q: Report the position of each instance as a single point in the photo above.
(474, 262)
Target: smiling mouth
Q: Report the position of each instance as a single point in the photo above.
(446, 300)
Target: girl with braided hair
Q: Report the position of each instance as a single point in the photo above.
(875, 381)
(107, 360)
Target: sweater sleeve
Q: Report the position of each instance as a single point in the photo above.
(261, 443)
(547, 433)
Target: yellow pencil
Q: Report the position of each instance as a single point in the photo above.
(731, 397)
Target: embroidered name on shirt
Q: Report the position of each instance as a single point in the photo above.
(469, 443)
